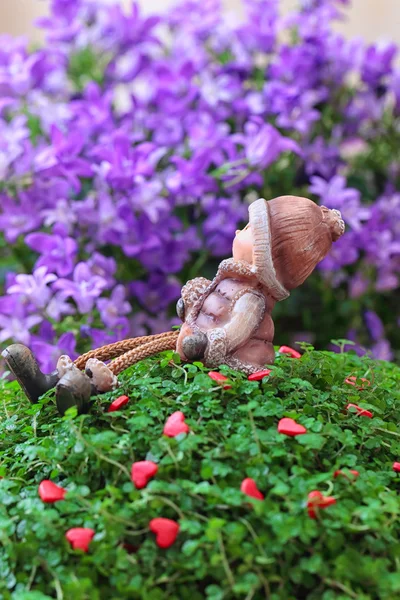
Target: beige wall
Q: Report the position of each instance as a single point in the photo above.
(371, 19)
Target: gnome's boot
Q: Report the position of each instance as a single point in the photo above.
(73, 389)
(22, 363)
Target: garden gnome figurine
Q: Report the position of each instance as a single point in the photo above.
(228, 320)
(225, 321)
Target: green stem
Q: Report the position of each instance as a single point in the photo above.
(254, 430)
(225, 562)
(340, 586)
(395, 433)
(170, 503)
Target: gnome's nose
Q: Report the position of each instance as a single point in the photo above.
(194, 346)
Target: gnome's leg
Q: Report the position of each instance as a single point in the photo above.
(253, 356)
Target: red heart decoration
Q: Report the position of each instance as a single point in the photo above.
(50, 492)
(353, 380)
(249, 487)
(259, 375)
(352, 471)
(80, 538)
(175, 424)
(166, 531)
(396, 467)
(313, 499)
(289, 351)
(316, 500)
(219, 378)
(118, 403)
(361, 412)
(142, 472)
(290, 427)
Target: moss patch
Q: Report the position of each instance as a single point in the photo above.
(229, 545)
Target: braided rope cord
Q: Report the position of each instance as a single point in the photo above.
(127, 346)
(144, 351)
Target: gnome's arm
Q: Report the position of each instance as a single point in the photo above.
(247, 313)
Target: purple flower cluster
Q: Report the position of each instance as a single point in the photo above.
(130, 147)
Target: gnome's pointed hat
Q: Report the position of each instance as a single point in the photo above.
(291, 235)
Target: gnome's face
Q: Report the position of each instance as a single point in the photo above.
(243, 244)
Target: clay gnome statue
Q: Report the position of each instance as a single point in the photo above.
(228, 320)
(225, 321)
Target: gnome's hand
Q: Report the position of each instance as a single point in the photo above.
(210, 346)
(194, 346)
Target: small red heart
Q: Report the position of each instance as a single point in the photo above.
(353, 380)
(219, 378)
(80, 538)
(313, 499)
(249, 487)
(259, 375)
(118, 403)
(361, 412)
(166, 531)
(142, 472)
(352, 471)
(290, 427)
(396, 467)
(175, 424)
(50, 492)
(316, 500)
(289, 351)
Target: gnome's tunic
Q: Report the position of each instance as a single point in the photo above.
(236, 318)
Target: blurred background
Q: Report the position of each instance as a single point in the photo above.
(126, 139)
(371, 19)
